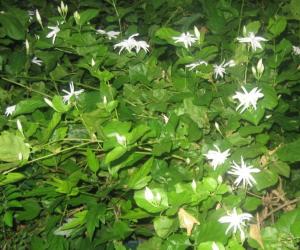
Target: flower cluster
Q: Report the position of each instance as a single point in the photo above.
(131, 43)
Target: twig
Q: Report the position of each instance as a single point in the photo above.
(280, 207)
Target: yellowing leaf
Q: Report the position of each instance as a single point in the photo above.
(187, 221)
(255, 234)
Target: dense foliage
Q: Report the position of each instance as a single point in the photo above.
(183, 136)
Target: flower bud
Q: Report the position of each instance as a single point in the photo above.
(148, 194)
(260, 68)
(197, 33)
(27, 46)
(38, 17)
(76, 17)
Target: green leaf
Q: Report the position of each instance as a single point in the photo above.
(154, 206)
(92, 221)
(11, 178)
(209, 245)
(164, 226)
(12, 26)
(139, 178)
(92, 161)
(280, 168)
(251, 203)
(254, 116)
(13, 148)
(277, 25)
(87, 15)
(8, 218)
(167, 34)
(115, 154)
(265, 179)
(31, 210)
(47, 133)
(290, 152)
(295, 9)
(28, 106)
(289, 223)
(270, 99)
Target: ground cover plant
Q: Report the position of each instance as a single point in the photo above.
(150, 124)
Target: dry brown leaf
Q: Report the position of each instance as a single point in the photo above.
(187, 221)
(255, 234)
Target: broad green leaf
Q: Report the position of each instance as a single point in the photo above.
(294, 7)
(280, 168)
(87, 15)
(265, 179)
(12, 26)
(289, 223)
(31, 210)
(13, 148)
(164, 226)
(290, 152)
(167, 34)
(254, 116)
(277, 25)
(251, 203)
(92, 161)
(249, 130)
(157, 204)
(28, 106)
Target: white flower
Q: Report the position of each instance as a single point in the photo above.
(148, 194)
(130, 44)
(191, 66)
(220, 70)
(217, 157)
(36, 61)
(165, 118)
(248, 99)
(110, 34)
(253, 40)
(296, 50)
(72, 92)
(243, 173)
(236, 221)
(10, 110)
(53, 33)
(186, 38)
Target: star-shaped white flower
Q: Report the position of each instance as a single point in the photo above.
(72, 92)
(236, 221)
(243, 173)
(253, 40)
(248, 99)
(10, 110)
(130, 44)
(110, 34)
(220, 70)
(53, 33)
(217, 157)
(191, 66)
(296, 50)
(186, 38)
(36, 61)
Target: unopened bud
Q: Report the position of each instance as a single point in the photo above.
(197, 33)
(260, 67)
(38, 17)
(76, 17)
